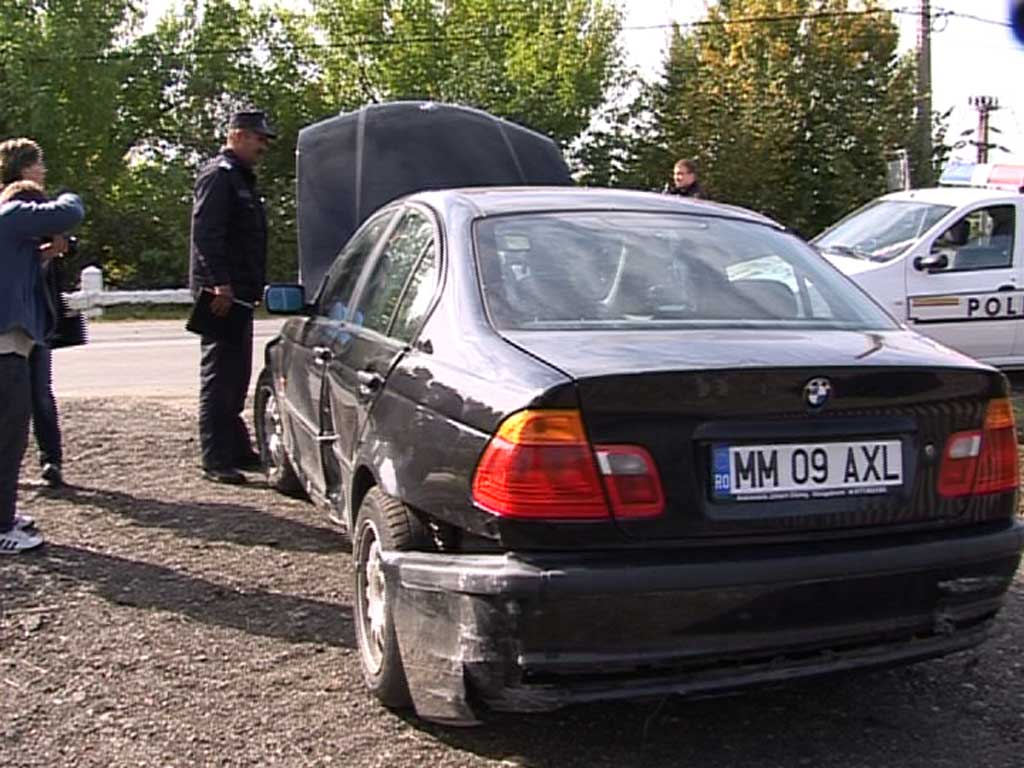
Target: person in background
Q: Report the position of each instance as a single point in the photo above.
(22, 160)
(228, 259)
(30, 234)
(684, 180)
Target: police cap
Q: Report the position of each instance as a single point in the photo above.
(252, 120)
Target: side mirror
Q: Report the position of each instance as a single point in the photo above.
(933, 262)
(284, 299)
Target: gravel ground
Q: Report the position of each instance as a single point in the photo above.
(172, 622)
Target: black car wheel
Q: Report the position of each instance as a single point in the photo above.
(383, 524)
(270, 435)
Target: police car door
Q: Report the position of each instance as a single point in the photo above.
(964, 284)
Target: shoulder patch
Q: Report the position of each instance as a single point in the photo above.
(225, 164)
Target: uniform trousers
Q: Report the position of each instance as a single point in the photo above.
(224, 371)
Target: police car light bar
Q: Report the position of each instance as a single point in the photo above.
(992, 176)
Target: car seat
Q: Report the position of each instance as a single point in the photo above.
(982, 256)
(630, 291)
(767, 299)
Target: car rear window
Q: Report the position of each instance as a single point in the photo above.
(640, 270)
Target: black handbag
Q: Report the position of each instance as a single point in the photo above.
(202, 321)
(71, 329)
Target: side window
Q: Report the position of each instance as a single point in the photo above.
(384, 287)
(418, 294)
(983, 239)
(341, 280)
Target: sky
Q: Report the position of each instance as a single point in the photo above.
(973, 54)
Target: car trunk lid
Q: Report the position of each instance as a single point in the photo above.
(776, 432)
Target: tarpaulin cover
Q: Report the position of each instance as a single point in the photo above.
(350, 165)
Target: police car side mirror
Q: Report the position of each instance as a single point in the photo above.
(285, 299)
(933, 262)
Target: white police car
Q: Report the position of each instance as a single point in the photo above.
(948, 261)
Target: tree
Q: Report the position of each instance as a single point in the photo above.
(546, 64)
(127, 118)
(189, 75)
(791, 105)
(62, 73)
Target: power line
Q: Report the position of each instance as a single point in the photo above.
(354, 40)
(973, 17)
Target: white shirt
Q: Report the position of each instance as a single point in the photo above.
(16, 342)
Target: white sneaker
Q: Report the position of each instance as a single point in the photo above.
(24, 522)
(15, 541)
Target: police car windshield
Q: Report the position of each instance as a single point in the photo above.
(881, 230)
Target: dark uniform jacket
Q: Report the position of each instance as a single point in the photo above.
(691, 190)
(229, 229)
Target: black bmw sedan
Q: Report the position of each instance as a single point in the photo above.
(594, 444)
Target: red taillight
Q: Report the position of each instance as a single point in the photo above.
(540, 465)
(982, 461)
(998, 463)
(631, 479)
(959, 464)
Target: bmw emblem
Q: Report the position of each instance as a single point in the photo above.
(817, 392)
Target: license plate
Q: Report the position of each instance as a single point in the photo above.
(805, 470)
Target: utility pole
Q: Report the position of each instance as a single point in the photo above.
(924, 90)
(985, 105)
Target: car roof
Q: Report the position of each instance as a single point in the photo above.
(955, 196)
(494, 201)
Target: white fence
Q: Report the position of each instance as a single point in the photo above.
(92, 298)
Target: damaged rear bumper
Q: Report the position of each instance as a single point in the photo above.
(533, 632)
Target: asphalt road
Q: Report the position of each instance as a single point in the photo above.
(143, 359)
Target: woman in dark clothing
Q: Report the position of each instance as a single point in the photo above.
(28, 238)
(23, 161)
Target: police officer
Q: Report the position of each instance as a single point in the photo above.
(228, 259)
(684, 180)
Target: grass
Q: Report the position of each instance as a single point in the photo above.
(154, 312)
(143, 312)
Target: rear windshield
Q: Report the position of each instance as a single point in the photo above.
(882, 230)
(646, 270)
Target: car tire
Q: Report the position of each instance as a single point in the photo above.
(383, 524)
(281, 475)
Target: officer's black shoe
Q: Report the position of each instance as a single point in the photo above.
(229, 476)
(250, 461)
(52, 475)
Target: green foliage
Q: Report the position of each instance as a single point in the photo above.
(543, 63)
(792, 117)
(127, 118)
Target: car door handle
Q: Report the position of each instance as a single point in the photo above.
(322, 355)
(1007, 287)
(370, 382)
